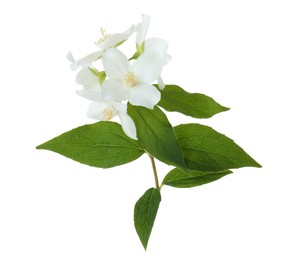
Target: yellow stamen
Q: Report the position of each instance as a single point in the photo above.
(130, 80)
(109, 112)
(103, 37)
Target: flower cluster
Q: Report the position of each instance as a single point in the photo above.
(122, 79)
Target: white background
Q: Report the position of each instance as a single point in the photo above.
(242, 53)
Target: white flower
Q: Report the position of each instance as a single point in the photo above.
(102, 109)
(107, 110)
(106, 41)
(131, 82)
(141, 30)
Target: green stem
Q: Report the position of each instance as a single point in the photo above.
(155, 172)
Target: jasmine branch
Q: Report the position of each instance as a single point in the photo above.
(155, 172)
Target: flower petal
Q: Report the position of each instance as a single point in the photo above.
(114, 39)
(161, 83)
(88, 80)
(128, 125)
(74, 63)
(95, 110)
(147, 67)
(129, 31)
(90, 94)
(112, 90)
(141, 29)
(167, 58)
(120, 107)
(85, 61)
(156, 45)
(89, 59)
(115, 63)
(145, 95)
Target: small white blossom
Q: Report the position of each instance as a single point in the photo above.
(102, 109)
(107, 110)
(131, 82)
(126, 81)
(106, 41)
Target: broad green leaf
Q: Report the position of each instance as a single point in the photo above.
(145, 212)
(103, 144)
(179, 179)
(174, 98)
(156, 135)
(204, 149)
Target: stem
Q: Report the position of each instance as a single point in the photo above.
(155, 172)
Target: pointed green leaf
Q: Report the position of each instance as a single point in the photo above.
(205, 149)
(174, 98)
(156, 135)
(145, 212)
(179, 179)
(103, 144)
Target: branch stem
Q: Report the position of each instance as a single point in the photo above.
(155, 172)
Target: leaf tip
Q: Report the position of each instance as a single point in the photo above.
(258, 165)
(144, 246)
(40, 146)
(255, 163)
(225, 109)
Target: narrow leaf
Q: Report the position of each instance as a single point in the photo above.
(179, 179)
(174, 98)
(145, 212)
(103, 144)
(156, 135)
(205, 149)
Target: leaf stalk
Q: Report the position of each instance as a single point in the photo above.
(155, 172)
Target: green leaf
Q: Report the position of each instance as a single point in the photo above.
(174, 98)
(179, 179)
(145, 212)
(205, 149)
(156, 135)
(103, 144)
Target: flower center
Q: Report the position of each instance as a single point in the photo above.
(130, 80)
(103, 38)
(109, 112)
